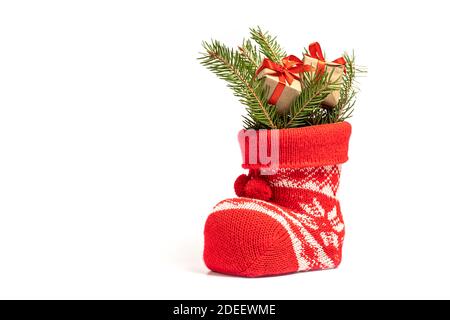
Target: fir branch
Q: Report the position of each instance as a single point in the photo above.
(230, 66)
(305, 106)
(250, 54)
(238, 68)
(259, 115)
(344, 108)
(268, 45)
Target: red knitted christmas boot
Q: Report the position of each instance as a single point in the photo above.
(286, 221)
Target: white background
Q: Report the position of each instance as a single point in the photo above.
(115, 144)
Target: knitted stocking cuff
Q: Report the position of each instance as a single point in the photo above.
(295, 148)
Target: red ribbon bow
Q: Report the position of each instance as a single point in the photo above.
(315, 51)
(289, 70)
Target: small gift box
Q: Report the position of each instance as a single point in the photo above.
(336, 69)
(282, 80)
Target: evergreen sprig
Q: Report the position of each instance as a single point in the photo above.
(231, 66)
(316, 89)
(268, 45)
(251, 55)
(238, 68)
(261, 116)
(348, 91)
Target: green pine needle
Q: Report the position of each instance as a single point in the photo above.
(238, 68)
(268, 44)
(251, 55)
(348, 91)
(232, 67)
(316, 89)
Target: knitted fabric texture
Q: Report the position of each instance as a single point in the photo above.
(300, 228)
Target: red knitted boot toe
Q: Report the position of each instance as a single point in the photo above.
(289, 220)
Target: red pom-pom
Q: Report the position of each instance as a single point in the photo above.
(239, 185)
(258, 188)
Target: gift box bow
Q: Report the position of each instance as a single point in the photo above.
(289, 70)
(315, 51)
(286, 72)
